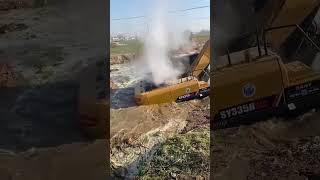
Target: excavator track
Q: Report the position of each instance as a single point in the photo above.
(224, 125)
(231, 123)
(281, 112)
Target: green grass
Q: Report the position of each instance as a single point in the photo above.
(183, 155)
(202, 36)
(136, 46)
(46, 72)
(131, 47)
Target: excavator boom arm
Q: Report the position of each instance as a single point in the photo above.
(202, 61)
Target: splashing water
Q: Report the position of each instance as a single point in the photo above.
(158, 42)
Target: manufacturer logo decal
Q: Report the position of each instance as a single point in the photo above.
(184, 96)
(248, 90)
(303, 90)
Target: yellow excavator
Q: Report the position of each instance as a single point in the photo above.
(255, 83)
(194, 86)
(248, 83)
(94, 105)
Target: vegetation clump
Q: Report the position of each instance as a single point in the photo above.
(182, 156)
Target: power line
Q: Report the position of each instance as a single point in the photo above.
(136, 17)
(181, 10)
(189, 9)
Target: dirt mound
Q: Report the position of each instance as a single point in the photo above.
(121, 59)
(142, 119)
(6, 5)
(113, 85)
(73, 161)
(296, 158)
(9, 77)
(198, 117)
(137, 131)
(11, 27)
(275, 148)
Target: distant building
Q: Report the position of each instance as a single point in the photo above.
(115, 39)
(122, 37)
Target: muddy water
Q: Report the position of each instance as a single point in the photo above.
(124, 77)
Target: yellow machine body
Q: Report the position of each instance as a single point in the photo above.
(202, 60)
(171, 93)
(251, 84)
(288, 12)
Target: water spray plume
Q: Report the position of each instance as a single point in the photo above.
(158, 43)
